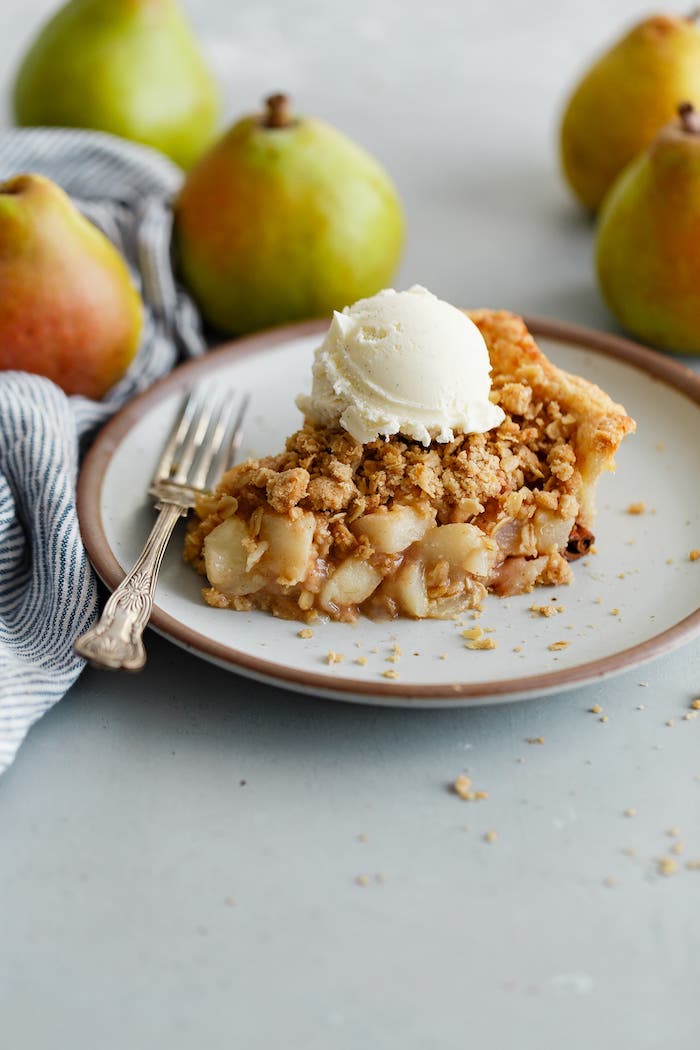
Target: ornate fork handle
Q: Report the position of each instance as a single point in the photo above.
(116, 639)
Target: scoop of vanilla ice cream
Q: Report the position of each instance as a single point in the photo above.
(402, 363)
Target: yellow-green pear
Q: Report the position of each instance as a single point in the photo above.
(627, 95)
(130, 67)
(68, 307)
(648, 240)
(285, 218)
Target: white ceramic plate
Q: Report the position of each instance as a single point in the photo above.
(633, 600)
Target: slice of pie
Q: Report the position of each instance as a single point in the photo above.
(395, 526)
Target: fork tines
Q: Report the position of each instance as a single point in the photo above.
(205, 438)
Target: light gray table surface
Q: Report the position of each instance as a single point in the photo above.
(179, 850)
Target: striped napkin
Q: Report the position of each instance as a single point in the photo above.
(47, 587)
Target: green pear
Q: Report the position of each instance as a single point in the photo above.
(630, 92)
(285, 218)
(130, 67)
(68, 307)
(648, 240)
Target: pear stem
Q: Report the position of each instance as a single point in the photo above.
(690, 118)
(278, 111)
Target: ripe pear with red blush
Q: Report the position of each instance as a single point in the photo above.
(69, 309)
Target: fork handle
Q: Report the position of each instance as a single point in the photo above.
(116, 639)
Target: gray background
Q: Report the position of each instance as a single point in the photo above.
(178, 850)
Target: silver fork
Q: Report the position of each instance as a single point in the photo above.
(203, 442)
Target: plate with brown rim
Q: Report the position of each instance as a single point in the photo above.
(633, 600)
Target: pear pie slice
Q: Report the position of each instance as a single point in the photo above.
(333, 527)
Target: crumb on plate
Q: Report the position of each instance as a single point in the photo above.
(482, 644)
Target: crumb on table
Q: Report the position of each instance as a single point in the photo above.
(462, 786)
(667, 866)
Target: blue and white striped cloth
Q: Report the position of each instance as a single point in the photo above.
(47, 587)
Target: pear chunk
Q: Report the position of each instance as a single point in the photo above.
(392, 531)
